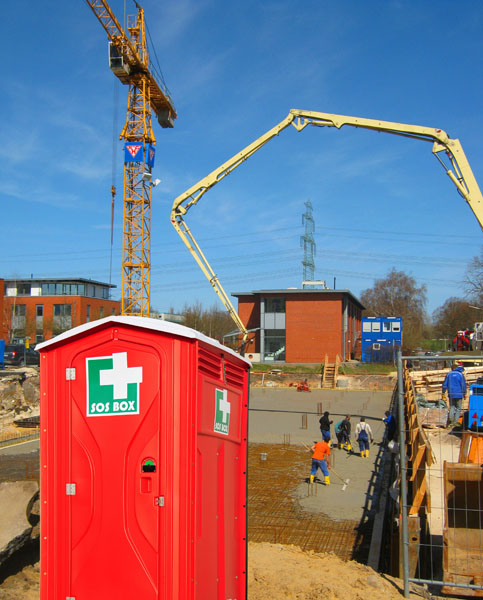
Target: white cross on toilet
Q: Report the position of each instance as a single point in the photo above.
(120, 375)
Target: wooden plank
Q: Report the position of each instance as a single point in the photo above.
(418, 498)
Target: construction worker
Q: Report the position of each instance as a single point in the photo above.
(345, 430)
(325, 424)
(455, 384)
(338, 433)
(364, 436)
(320, 460)
(390, 422)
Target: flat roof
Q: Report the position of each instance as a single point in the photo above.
(58, 280)
(287, 291)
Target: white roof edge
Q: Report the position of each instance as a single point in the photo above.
(142, 323)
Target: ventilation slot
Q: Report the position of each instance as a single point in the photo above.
(234, 375)
(209, 364)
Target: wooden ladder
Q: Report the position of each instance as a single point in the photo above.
(331, 370)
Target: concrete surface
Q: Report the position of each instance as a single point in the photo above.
(274, 413)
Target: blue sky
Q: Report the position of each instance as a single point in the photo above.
(234, 70)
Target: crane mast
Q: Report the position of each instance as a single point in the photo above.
(129, 60)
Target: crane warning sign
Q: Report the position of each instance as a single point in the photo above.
(112, 386)
(133, 152)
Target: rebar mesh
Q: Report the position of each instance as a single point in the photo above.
(275, 516)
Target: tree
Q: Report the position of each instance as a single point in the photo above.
(455, 315)
(397, 295)
(473, 281)
(213, 322)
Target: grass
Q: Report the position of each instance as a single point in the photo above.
(344, 369)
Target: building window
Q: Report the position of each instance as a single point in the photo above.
(23, 289)
(88, 313)
(63, 289)
(105, 293)
(62, 318)
(274, 344)
(101, 312)
(39, 318)
(19, 312)
(274, 305)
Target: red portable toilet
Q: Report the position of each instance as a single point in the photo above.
(143, 464)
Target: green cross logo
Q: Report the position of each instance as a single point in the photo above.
(112, 386)
(222, 412)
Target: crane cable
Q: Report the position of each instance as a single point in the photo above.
(114, 171)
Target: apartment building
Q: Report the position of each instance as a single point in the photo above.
(39, 309)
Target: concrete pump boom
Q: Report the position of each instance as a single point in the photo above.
(459, 171)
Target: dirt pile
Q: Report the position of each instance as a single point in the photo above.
(288, 573)
(19, 398)
(275, 572)
(24, 585)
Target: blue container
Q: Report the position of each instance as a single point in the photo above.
(475, 409)
(2, 354)
(381, 339)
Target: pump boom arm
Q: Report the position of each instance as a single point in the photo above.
(459, 171)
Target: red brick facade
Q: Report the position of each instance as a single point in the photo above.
(315, 323)
(82, 310)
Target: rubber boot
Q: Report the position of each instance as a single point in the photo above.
(367, 453)
(327, 480)
(312, 478)
(349, 447)
(363, 453)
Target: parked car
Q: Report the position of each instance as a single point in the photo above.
(14, 355)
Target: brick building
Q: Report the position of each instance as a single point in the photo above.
(301, 326)
(38, 309)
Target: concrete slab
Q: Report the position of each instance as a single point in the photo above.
(275, 413)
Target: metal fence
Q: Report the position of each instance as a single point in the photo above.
(437, 510)
(10, 437)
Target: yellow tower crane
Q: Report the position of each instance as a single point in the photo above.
(129, 60)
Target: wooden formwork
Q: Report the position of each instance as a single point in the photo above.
(462, 534)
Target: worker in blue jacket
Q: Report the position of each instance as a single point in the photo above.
(455, 385)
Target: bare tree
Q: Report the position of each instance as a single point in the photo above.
(455, 315)
(213, 322)
(397, 295)
(473, 281)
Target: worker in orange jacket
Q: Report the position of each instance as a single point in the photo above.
(320, 460)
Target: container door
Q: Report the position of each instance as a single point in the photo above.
(116, 500)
